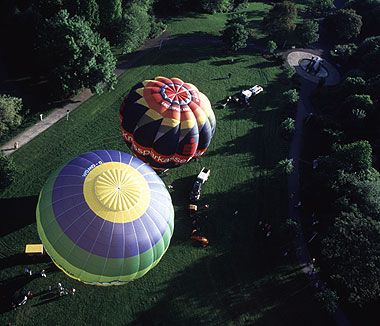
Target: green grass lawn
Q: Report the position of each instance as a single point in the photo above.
(242, 278)
(205, 24)
(212, 25)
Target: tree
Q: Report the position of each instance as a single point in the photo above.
(285, 166)
(289, 71)
(353, 85)
(357, 101)
(358, 193)
(289, 229)
(343, 25)
(368, 54)
(110, 12)
(77, 56)
(9, 113)
(343, 53)
(214, 6)
(321, 6)
(354, 157)
(370, 12)
(291, 96)
(240, 18)
(271, 46)
(288, 126)
(88, 9)
(280, 20)
(235, 36)
(134, 27)
(307, 32)
(7, 170)
(329, 300)
(352, 248)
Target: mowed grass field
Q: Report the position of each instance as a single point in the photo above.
(205, 24)
(242, 278)
(197, 24)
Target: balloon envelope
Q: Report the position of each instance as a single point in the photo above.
(166, 122)
(105, 218)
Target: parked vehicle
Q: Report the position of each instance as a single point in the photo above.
(195, 193)
(202, 177)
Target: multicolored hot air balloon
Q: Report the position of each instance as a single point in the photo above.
(105, 218)
(166, 122)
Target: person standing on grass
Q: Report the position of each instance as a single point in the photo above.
(229, 75)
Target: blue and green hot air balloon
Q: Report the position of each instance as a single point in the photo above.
(105, 218)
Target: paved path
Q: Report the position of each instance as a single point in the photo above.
(61, 112)
(304, 107)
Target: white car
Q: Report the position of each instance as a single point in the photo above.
(203, 175)
(252, 91)
(256, 89)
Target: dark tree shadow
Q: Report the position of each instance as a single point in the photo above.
(22, 259)
(17, 213)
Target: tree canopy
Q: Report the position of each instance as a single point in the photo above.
(322, 6)
(10, 108)
(352, 247)
(344, 25)
(77, 55)
(307, 32)
(235, 36)
(280, 20)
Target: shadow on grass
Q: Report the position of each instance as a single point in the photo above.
(22, 259)
(227, 290)
(226, 62)
(201, 50)
(263, 65)
(17, 213)
(48, 298)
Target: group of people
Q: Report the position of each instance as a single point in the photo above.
(266, 228)
(62, 291)
(196, 233)
(29, 295)
(235, 99)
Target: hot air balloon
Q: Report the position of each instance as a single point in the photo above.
(166, 122)
(105, 218)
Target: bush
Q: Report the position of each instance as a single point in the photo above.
(288, 126)
(289, 229)
(235, 36)
(157, 28)
(329, 300)
(271, 46)
(291, 96)
(134, 28)
(342, 54)
(7, 170)
(289, 71)
(285, 167)
(9, 109)
(307, 32)
(242, 6)
(214, 6)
